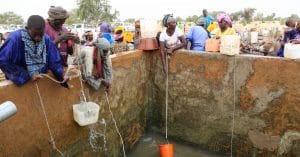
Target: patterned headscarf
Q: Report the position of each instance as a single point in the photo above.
(35, 53)
(225, 17)
(57, 13)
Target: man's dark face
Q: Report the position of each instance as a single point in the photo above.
(204, 12)
(57, 23)
(36, 34)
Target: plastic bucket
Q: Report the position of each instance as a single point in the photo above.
(86, 113)
(166, 150)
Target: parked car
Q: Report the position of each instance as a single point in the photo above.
(81, 28)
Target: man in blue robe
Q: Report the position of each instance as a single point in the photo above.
(28, 52)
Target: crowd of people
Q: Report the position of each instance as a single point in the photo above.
(45, 44)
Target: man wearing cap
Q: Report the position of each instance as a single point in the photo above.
(197, 36)
(58, 33)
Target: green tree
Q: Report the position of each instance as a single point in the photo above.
(11, 18)
(270, 17)
(259, 17)
(192, 18)
(236, 15)
(73, 18)
(248, 14)
(93, 11)
(294, 16)
(215, 13)
(179, 19)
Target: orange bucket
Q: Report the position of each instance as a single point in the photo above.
(166, 150)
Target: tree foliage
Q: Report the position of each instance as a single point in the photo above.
(73, 18)
(192, 18)
(93, 11)
(248, 13)
(11, 18)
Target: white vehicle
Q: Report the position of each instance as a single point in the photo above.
(81, 28)
(127, 26)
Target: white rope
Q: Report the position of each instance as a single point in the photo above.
(167, 95)
(67, 73)
(82, 94)
(116, 126)
(232, 128)
(51, 141)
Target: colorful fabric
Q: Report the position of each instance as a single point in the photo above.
(290, 35)
(13, 62)
(197, 36)
(63, 47)
(228, 31)
(108, 37)
(35, 53)
(225, 17)
(207, 21)
(104, 67)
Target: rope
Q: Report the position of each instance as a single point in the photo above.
(51, 141)
(54, 80)
(232, 128)
(117, 129)
(82, 95)
(167, 95)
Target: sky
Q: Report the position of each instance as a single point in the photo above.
(155, 9)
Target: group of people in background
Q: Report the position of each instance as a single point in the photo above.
(45, 44)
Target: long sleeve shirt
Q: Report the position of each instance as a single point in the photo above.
(13, 64)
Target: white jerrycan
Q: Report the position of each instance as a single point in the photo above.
(86, 113)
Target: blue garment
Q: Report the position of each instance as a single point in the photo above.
(109, 37)
(197, 36)
(13, 64)
(35, 53)
(287, 36)
(290, 35)
(207, 20)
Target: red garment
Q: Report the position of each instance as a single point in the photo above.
(98, 63)
(63, 47)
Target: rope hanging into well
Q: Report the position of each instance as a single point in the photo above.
(116, 126)
(51, 141)
(233, 113)
(167, 95)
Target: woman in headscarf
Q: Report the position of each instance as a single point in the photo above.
(58, 33)
(170, 40)
(225, 25)
(105, 32)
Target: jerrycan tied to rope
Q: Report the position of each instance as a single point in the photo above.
(166, 150)
(86, 113)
